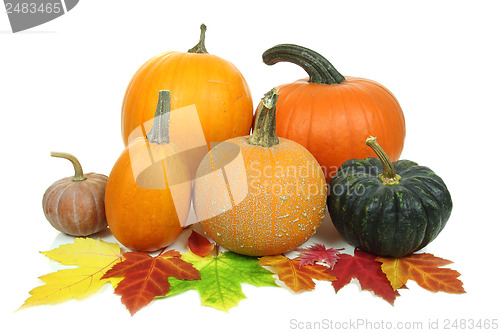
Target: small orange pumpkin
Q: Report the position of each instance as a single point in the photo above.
(328, 112)
(260, 195)
(214, 85)
(148, 193)
(75, 205)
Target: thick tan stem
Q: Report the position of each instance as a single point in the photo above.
(388, 176)
(264, 133)
(79, 176)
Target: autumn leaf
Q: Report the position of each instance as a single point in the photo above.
(364, 267)
(295, 277)
(318, 253)
(425, 269)
(147, 277)
(221, 278)
(93, 258)
(199, 244)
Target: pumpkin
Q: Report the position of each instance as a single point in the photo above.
(327, 113)
(75, 205)
(214, 85)
(148, 193)
(388, 209)
(260, 195)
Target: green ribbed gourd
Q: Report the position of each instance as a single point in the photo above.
(388, 209)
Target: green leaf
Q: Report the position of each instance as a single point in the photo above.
(221, 278)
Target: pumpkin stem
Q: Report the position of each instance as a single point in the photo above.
(264, 133)
(79, 176)
(320, 70)
(159, 132)
(200, 47)
(388, 176)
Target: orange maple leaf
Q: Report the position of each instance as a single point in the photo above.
(147, 277)
(295, 277)
(425, 269)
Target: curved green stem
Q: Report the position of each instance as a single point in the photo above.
(320, 70)
(388, 176)
(264, 133)
(200, 47)
(79, 176)
(159, 132)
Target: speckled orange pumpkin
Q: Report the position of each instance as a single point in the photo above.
(260, 195)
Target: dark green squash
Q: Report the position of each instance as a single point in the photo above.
(388, 209)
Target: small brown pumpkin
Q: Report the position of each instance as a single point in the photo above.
(75, 205)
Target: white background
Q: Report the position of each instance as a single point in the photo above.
(61, 88)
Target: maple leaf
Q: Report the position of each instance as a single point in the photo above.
(221, 278)
(293, 275)
(364, 267)
(423, 268)
(318, 253)
(200, 245)
(146, 277)
(93, 258)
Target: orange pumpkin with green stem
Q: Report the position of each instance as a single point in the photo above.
(148, 193)
(328, 113)
(214, 85)
(260, 195)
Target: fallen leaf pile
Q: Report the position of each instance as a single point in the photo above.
(140, 278)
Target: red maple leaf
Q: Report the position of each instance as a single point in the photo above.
(147, 277)
(364, 267)
(199, 244)
(318, 253)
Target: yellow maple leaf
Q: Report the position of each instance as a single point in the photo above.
(93, 258)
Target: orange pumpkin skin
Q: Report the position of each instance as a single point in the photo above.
(214, 85)
(329, 119)
(269, 204)
(329, 114)
(139, 205)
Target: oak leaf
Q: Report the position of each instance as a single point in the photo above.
(146, 277)
(93, 258)
(364, 267)
(293, 275)
(425, 269)
(318, 253)
(221, 278)
(199, 244)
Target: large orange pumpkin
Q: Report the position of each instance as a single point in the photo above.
(214, 85)
(148, 193)
(260, 195)
(329, 113)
